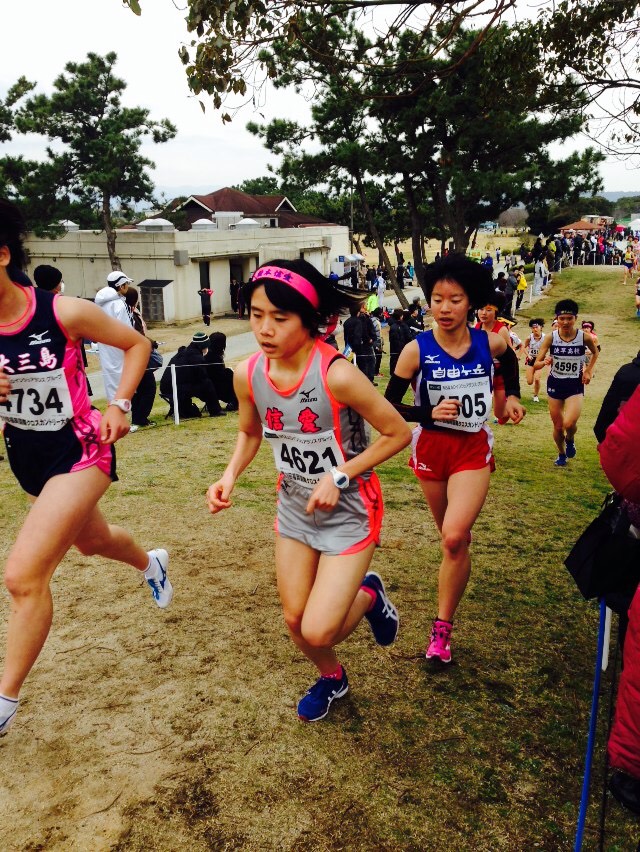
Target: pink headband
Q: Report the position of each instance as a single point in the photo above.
(299, 284)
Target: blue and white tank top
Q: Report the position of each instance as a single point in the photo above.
(568, 357)
(468, 379)
(308, 429)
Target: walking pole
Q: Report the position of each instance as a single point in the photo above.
(584, 799)
(605, 767)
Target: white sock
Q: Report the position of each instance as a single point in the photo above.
(152, 571)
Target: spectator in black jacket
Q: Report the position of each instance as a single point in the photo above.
(413, 319)
(360, 335)
(205, 299)
(399, 336)
(192, 379)
(624, 383)
(221, 376)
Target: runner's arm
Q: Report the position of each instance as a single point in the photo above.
(508, 361)
(247, 443)
(543, 359)
(510, 373)
(589, 342)
(81, 319)
(351, 387)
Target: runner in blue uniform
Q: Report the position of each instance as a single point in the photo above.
(564, 351)
(452, 447)
(60, 450)
(312, 406)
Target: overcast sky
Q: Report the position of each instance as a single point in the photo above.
(40, 36)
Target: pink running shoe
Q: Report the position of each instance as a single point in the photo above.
(440, 644)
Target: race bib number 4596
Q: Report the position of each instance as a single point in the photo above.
(305, 458)
(40, 402)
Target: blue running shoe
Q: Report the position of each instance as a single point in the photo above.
(156, 577)
(383, 617)
(316, 703)
(571, 449)
(561, 461)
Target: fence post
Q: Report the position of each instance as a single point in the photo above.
(174, 384)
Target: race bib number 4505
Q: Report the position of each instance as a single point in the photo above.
(474, 396)
(40, 402)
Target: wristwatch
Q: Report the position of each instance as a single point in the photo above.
(340, 478)
(123, 404)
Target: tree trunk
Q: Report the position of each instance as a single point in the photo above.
(416, 230)
(366, 209)
(109, 231)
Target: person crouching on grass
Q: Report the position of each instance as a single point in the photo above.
(313, 407)
(452, 457)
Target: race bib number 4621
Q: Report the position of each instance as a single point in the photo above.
(304, 457)
(40, 402)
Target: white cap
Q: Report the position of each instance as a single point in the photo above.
(117, 279)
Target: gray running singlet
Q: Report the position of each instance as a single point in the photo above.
(308, 429)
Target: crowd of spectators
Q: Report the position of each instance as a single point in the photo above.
(605, 247)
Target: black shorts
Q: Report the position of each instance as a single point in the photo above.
(35, 457)
(564, 388)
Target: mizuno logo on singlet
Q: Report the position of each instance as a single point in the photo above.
(39, 339)
(431, 359)
(306, 395)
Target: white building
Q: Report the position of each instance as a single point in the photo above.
(170, 266)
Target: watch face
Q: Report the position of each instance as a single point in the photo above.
(123, 404)
(340, 479)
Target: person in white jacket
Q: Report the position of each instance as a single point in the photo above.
(111, 300)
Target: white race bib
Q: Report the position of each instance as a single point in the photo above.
(566, 367)
(474, 395)
(305, 457)
(39, 401)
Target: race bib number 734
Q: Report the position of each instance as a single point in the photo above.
(40, 402)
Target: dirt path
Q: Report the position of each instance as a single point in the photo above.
(148, 730)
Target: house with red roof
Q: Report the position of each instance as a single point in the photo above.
(228, 206)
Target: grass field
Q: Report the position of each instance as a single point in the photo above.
(149, 730)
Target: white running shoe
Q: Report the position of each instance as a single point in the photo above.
(536, 399)
(156, 577)
(8, 710)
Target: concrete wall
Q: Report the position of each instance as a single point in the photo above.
(82, 258)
